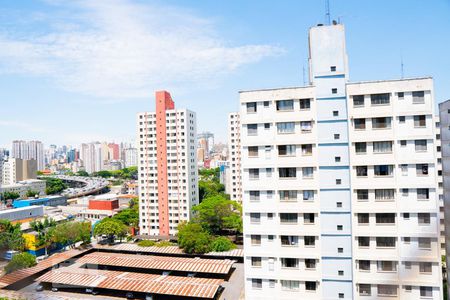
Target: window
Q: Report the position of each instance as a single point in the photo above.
(403, 143)
(252, 129)
(383, 170)
(254, 195)
(401, 95)
(361, 148)
(266, 103)
(387, 290)
(287, 172)
(338, 204)
(270, 238)
(382, 147)
(305, 103)
(423, 194)
(361, 171)
(426, 291)
(333, 68)
(335, 113)
(360, 124)
(253, 151)
(385, 218)
(255, 240)
(338, 181)
(385, 242)
(384, 194)
(309, 240)
(253, 173)
(425, 267)
(307, 172)
(285, 105)
(424, 243)
(286, 127)
(308, 218)
(339, 227)
(363, 241)
(308, 195)
(405, 192)
(364, 265)
(270, 216)
(340, 273)
(406, 216)
(404, 168)
(310, 263)
(340, 250)
(289, 240)
(269, 172)
(256, 283)
(337, 136)
(288, 195)
(380, 99)
(362, 195)
(386, 266)
(407, 240)
(286, 150)
(381, 123)
(408, 288)
(358, 100)
(401, 119)
(420, 121)
(423, 218)
(307, 149)
(421, 145)
(256, 261)
(266, 125)
(363, 218)
(306, 126)
(271, 283)
(288, 218)
(334, 90)
(337, 159)
(255, 217)
(290, 285)
(289, 263)
(422, 169)
(418, 97)
(365, 289)
(251, 107)
(407, 265)
(310, 285)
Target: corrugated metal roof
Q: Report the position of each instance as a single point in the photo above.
(45, 264)
(135, 282)
(217, 266)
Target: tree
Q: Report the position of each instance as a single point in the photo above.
(10, 195)
(82, 173)
(217, 213)
(193, 238)
(20, 261)
(69, 233)
(11, 236)
(129, 216)
(54, 186)
(31, 193)
(111, 227)
(45, 232)
(222, 243)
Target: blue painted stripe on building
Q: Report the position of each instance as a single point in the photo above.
(333, 144)
(331, 76)
(332, 98)
(334, 212)
(337, 280)
(334, 189)
(336, 257)
(330, 234)
(333, 121)
(334, 167)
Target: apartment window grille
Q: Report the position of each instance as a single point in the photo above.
(365, 290)
(385, 242)
(288, 218)
(269, 194)
(387, 290)
(381, 123)
(382, 147)
(385, 218)
(408, 288)
(362, 195)
(386, 266)
(420, 145)
(407, 265)
(339, 204)
(309, 240)
(361, 171)
(256, 261)
(305, 104)
(286, 150)
(384, 194)
(383, 170)
(252, 129)
(306, 126)
(288, 195)
(418, 97)
(253, 151)
(361, 148)
(423, 194)
(358, 100)
(420, 121)
(290, 285)
(271, 283)
(424, 218)
(363, 218)
(426, 291)
(422, 169)
(285, 105)
(360, 124)
(364, 265)
(380, 99)
(425, 267)
(286, 127)
(289, 240)
(287, 172)
(251, 107)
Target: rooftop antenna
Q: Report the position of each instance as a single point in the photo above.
(327, 12)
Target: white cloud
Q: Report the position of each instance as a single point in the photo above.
(118, 49)
(12, 125)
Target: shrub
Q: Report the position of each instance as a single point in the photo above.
(192, 238)
(164, 244)
(222, 243)
(20, 261)
(146, 243)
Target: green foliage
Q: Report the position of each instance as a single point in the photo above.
(146, 243)
(31, 193)
(20, 261)
(217, 213)
(10, 196)
(126, 173)
(39, 173)
(82, 173)
(129, 216)
(209, 184)
(54, 185)
(164, 244)
(10, 236)
(193, 238)
(111, 227)
(222, 243)
(70, 233)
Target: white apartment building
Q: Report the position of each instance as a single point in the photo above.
(339, 185)
(440, 183)
(29, 150)
(167, 167)
(130, 157)
(233, 177)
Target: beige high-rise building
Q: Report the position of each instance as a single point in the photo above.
(16, 169)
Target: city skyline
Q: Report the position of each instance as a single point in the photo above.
(228, 47)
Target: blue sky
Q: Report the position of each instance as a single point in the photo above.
(77, 71)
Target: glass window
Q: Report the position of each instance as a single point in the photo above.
(253, 173)
(253, 151)
(363, 218)
(426, 291)
(384, 194)
(387, 290)
(403, 143)
(420, 145)
(307, 172)
(362, 195)
(256, 283)
(266, 103)
(358, 100)
(381, 123)
(365, 289)
(288, 195)
(310, 285)
(382, 147)
(422, 169)
(254, 195)
(308, 195)
(289, 263)
(255, 239)
(288, 218)
(401, 119)
(386, 266)
(385, 242)
(307, 149)
(423, 194)
(256, 261)
(289, 240)
(305, 103)
(266, 125)
(361, 147)
(255, 217)
(425, 267)
(424, 218)
(383, 170)
(308, 218)
(306, 126)
(361, 171)
(252, 129)
(310, 263)
(420, 121)
(424, 243)
(385, 218)
(290, 285)
(363, 241)
(380, 99)
(401, 95)
(287, 172)
(251, 107)
(418, 97)
(360, 124)
(286, 127)
(286, 150)
(364, 265)
(285, 105)
(309, 240)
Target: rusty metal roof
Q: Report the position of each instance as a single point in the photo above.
(55, 259)
(185, 264)
(134, 282)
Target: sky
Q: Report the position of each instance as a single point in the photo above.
(79, 71)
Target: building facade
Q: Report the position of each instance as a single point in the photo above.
(28, 151)
(234, 176)
(339, 180)
(131, 159)
(16, 169)
(167, 164)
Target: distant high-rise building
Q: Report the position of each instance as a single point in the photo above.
(29, 150)
(233, 176)
(16, 169)
(168, 186)
(114, 153)
(131, 159)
